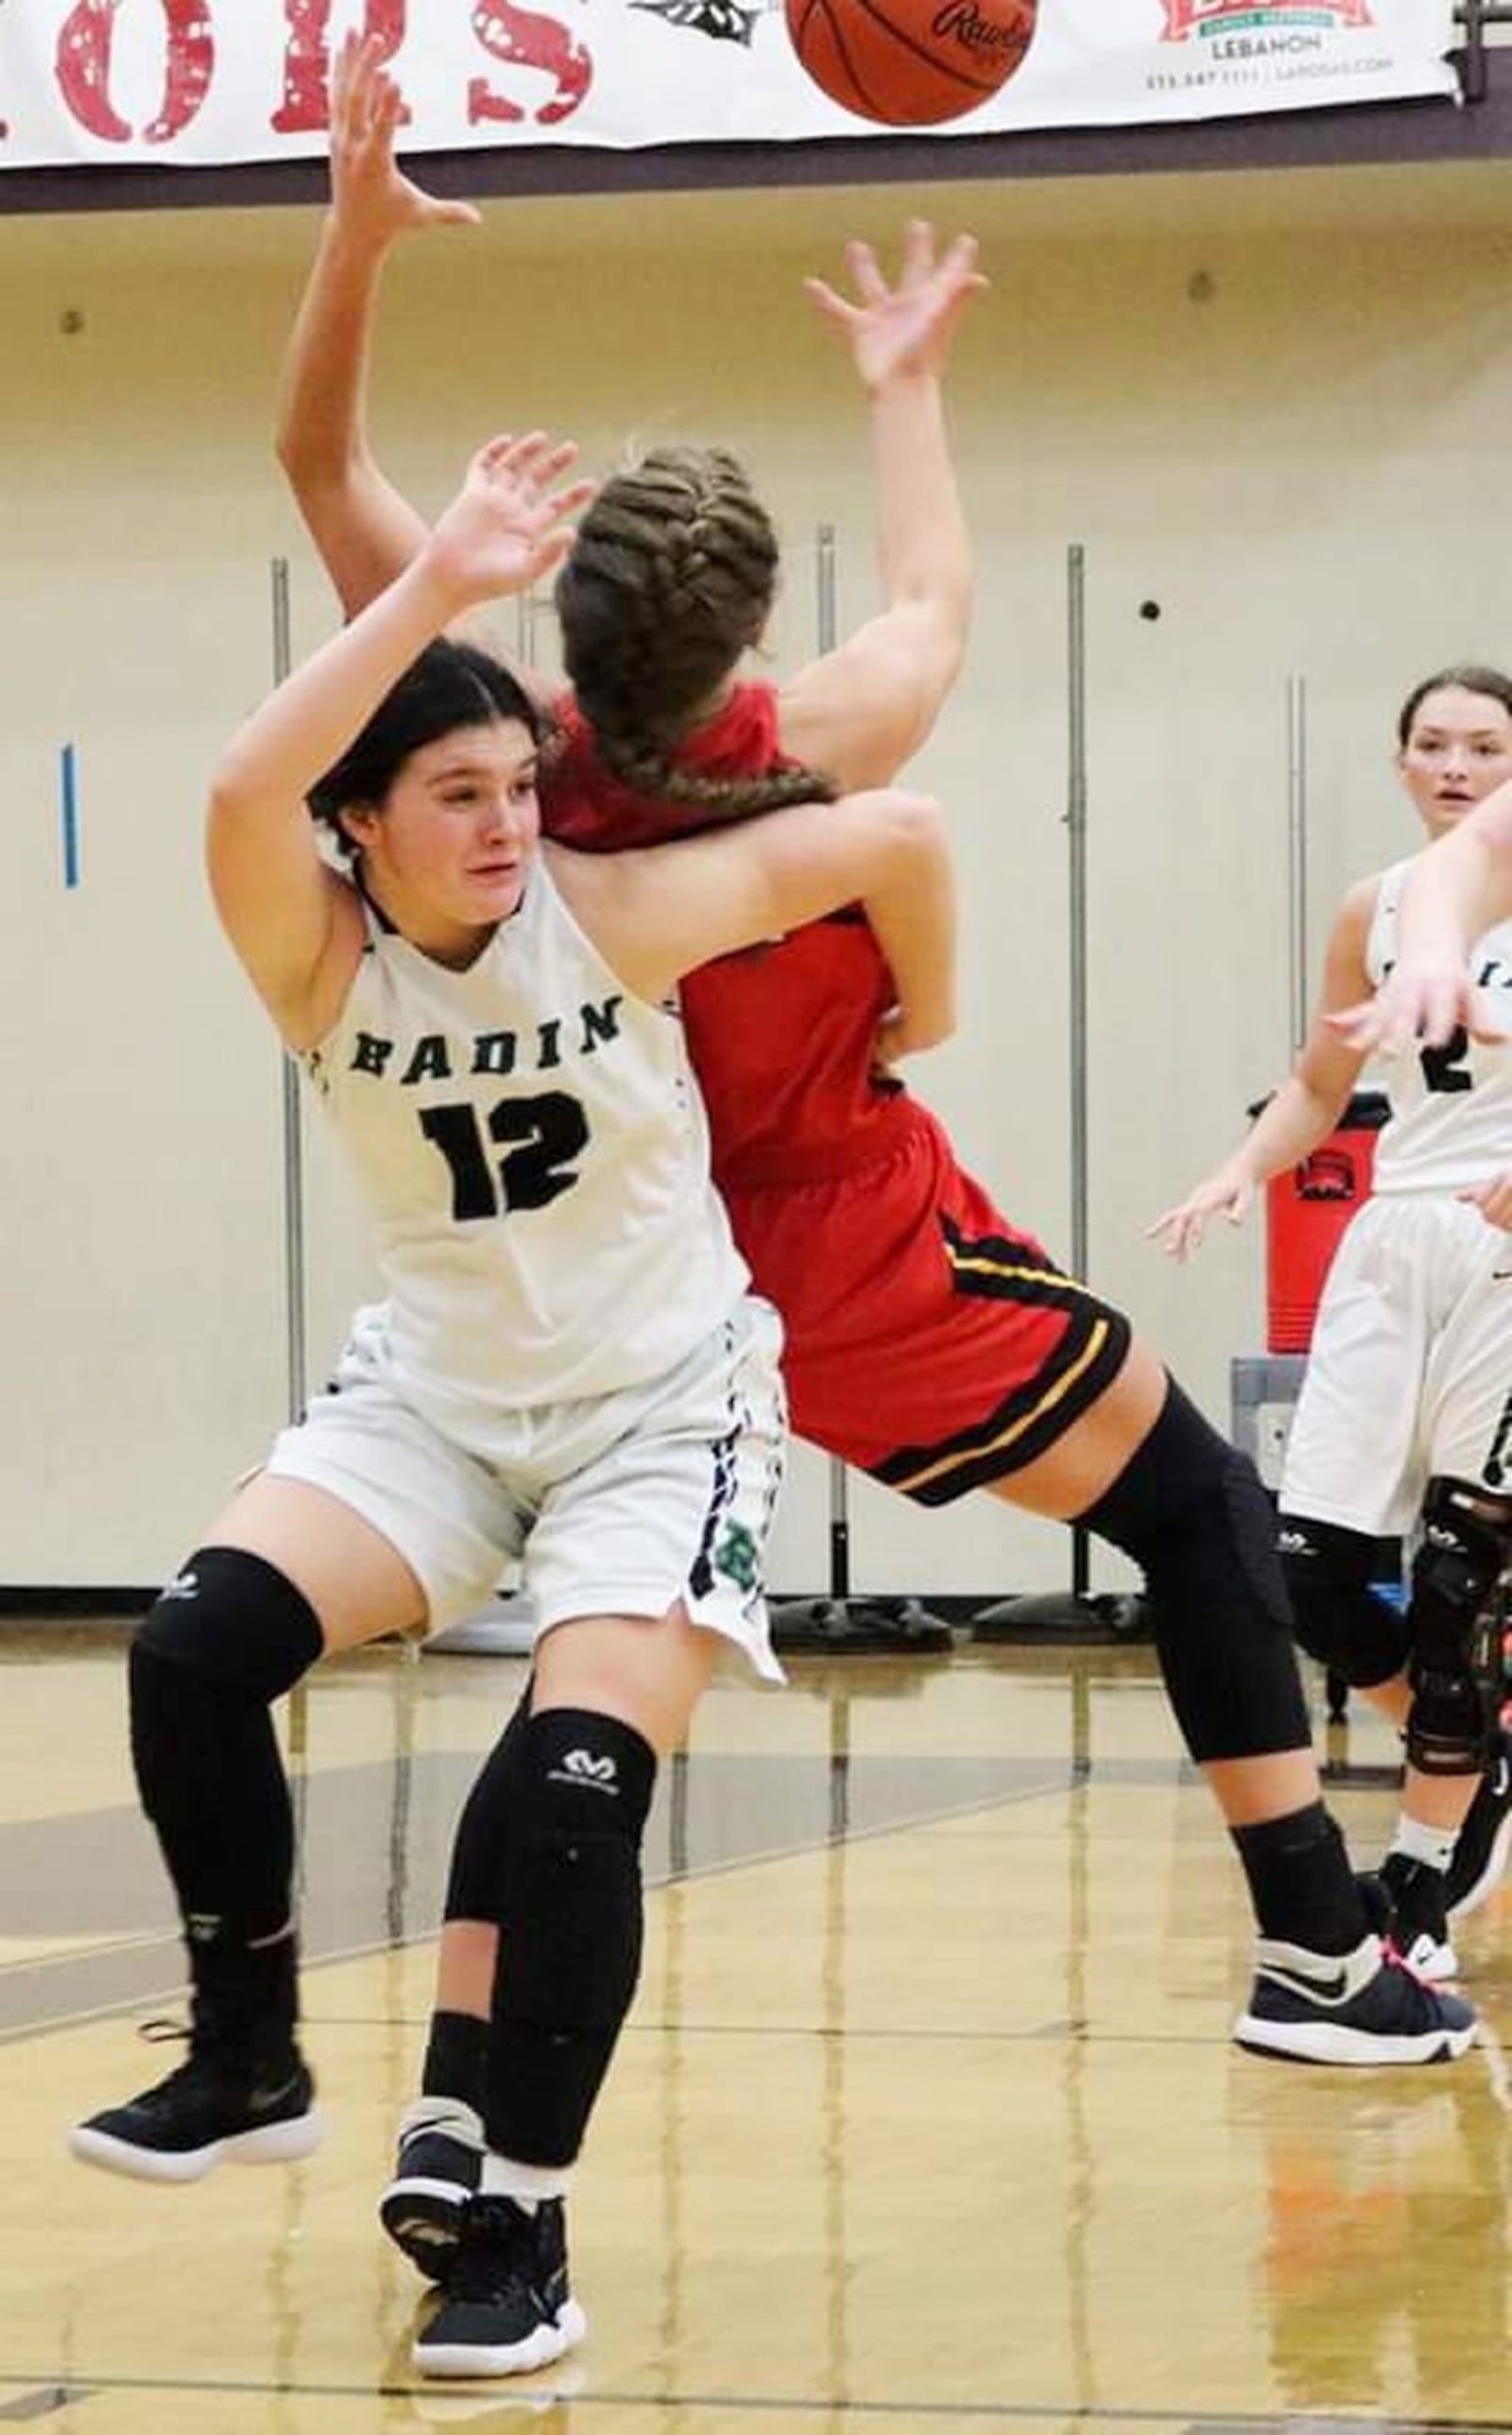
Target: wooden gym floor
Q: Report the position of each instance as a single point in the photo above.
(925, 2119)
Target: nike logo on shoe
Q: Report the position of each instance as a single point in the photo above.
(262, 2100)
(1331, 1990)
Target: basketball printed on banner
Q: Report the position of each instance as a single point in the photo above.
(910, 62)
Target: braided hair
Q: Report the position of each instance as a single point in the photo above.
(671, 577)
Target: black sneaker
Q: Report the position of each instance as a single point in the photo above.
(1364, 2006)
(438, 2167)
(1418, 1924)
(205, 2112)
(504, 2306)
(1484, 1843)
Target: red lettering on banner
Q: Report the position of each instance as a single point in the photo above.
(523, 39)
(305, 109)
(84, 68)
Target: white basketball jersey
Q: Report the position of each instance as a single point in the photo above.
(1452, 1107)
(534, 1154)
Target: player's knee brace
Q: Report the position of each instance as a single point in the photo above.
(568, 1903)
(224, 1640)
(1453, 1623)
(1192, 1512)
(1340, 1621)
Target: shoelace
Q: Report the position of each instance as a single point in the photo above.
(1395, 1959)
(163, 2032)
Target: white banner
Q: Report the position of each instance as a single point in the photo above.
(200, 81)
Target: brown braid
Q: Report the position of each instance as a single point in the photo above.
(671, 577)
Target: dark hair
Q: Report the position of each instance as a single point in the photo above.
(449, 685)
(1469, 679)
(671, 577)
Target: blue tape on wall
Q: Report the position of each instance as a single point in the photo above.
(68, 808)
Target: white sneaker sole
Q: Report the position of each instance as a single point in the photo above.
(546, 2344)
(1328, 2042)
(280, 2143)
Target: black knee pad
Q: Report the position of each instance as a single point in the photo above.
(1192, 1512)
(223, 1641)
(1339, 1619)
(1455, 1627)
(237, 1619)
(568, 1903)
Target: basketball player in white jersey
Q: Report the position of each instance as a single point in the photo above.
(1404, 1422)
(566, 1366)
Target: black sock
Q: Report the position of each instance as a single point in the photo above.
(457, 2058)
(1300, 1883)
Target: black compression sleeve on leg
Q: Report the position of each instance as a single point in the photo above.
(221, 1642)
(473, 1881)
(1192, 1512)
(569, 1911)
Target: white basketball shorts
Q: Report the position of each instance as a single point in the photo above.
(622, 1505)
(1410, 1372)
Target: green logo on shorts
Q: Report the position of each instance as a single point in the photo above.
(735, 1557)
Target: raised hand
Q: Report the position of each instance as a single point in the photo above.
(906, 329)
(372, 201)
(1225, 1194)
(1416, 1002)
(504, 529)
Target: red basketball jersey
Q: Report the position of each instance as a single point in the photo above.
(929, 1341)
(781, 1036)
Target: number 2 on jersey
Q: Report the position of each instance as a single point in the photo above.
(1444, 1069)
(549, 1131)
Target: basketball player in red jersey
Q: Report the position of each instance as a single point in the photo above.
(929, 1341)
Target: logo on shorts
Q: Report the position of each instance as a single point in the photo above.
(185, 1586)
(581, 1767)
(736, 1556)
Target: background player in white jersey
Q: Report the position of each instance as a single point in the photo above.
(566, 1366)
(1404, 1422)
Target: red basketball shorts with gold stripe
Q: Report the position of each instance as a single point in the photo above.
(929, 1341)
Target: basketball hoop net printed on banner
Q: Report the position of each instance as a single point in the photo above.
(194, 82)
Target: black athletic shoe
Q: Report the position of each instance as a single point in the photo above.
(438, 2167)
(1364, 2006)
(205, 2112)
(504, 2306)
(1418, 1926)
(1484, 1843)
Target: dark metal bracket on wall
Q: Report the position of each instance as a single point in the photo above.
(1357, 134)
(1473, 16)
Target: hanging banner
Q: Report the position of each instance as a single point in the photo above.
(203, 81)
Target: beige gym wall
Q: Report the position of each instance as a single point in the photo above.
(1274, 406)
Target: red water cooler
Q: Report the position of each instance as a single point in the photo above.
(1307, 1209)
